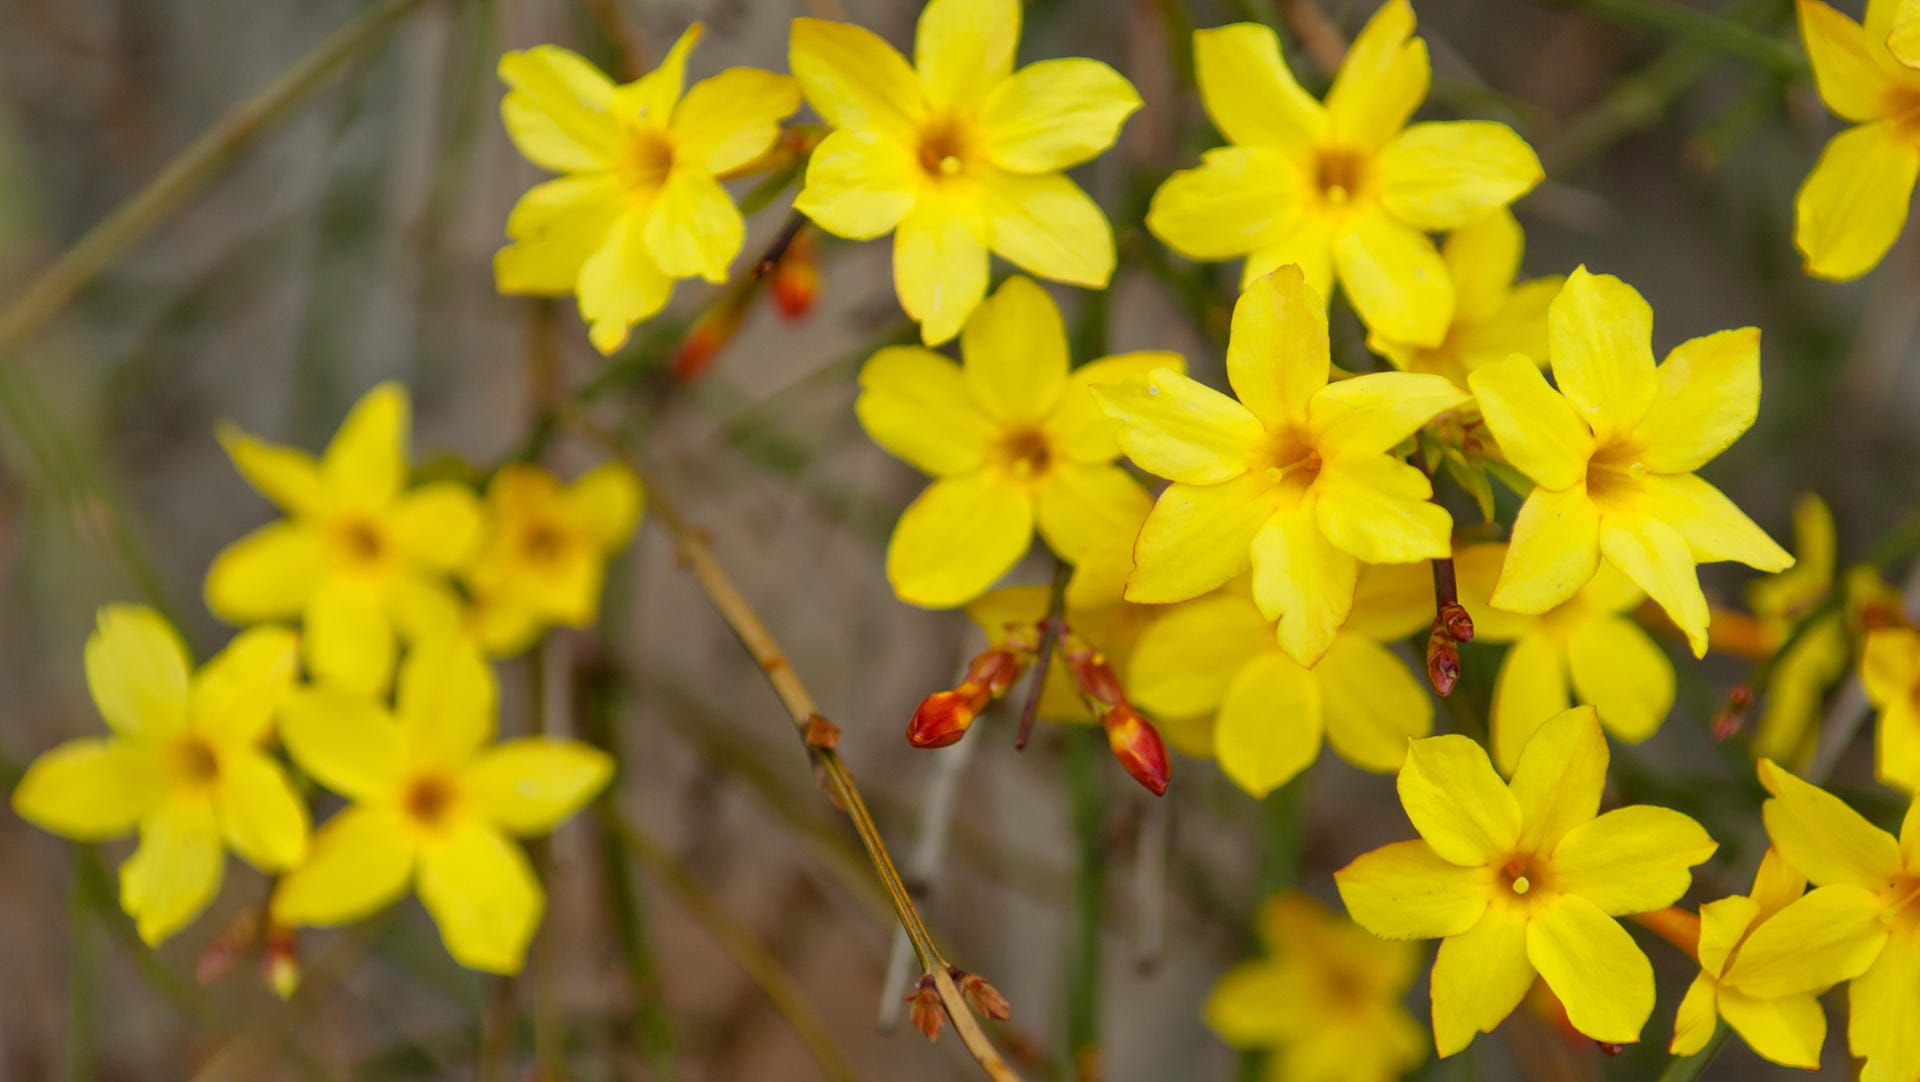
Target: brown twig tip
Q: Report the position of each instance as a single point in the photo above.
(1733, 714)
(1443, 662)
(925, 1011)
(821, 733)
(981, 995)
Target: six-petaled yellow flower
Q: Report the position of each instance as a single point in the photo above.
(433, 807)
(641, 202)
(958, 154)
(1347, 190)
(1612, 454)
(1328, 1001)
(358, 556)
(184, 764)
(1014, 441)
(1296, 478)
(1523, 877)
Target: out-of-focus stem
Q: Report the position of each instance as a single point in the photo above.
(1704, 29)
(1049, 639)
(1688, 1068)
(1088, 805)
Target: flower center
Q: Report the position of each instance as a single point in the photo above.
(1520, 877)
(542, 543)
(1341, 987)
(1026, 454)
(429, 798)
(1615, 472)
(194, 762)
(1289, 458)
(360, 542)
(944, 148)
(649, 158)
(1339, 175)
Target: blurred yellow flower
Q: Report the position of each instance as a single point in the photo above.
(1612, 455)
(1587, 648)
(1862, 923)
(1296, 478)
(958, 154)
(1852, 206)
(358, 555)
(641, 203)
(1523, 877)
(184, 764)
(1815, 662)
(1212, 665)
(544, 551)
(432, 806)
(1013, 440)
(1890, 669)
(1328, 1001)
(1346, 190)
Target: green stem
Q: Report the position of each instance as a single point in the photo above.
(1688, 1068)
(1086, 794)
(82, 985)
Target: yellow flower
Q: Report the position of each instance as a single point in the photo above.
(1328, 1002)
(1801, 677)
(432, 806)
(1347, 189)
(1212, 665)
(1612, 454)
(1523, 877)
(1296, 478)
(1586, 648)
(358, 553)
(640, 203)
(545, 551)
(958, 154)
(1493, 315)
(1012, 439)
(1862, 923)
(1854, 203)
(184, 764)
(1758, 972)
(1890, 669)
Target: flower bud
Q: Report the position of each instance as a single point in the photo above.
(983, 997)
(1455, 621)
(1136, 743)
(795, 283)
(943, 717)
(705, 339)
(1733, 714)
(281, 962)
(925, 1011)
(1443, 662)
(1093, 674)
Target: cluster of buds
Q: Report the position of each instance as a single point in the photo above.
(279, 953)
(944, 717)
(1733, 713)
(926, 1012)
(1451, 627)
(1131, 737)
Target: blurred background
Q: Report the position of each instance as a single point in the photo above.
(352, 243)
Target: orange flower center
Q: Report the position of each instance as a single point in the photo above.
(359, 542)
(1615, 472)
(1521, 877)
(194, 762)
(945, 148)
(1339, 175)
(1903, 904)
(649, 159)
(1026, 454)
(543, 543)
(1289, 458)
(429, 799)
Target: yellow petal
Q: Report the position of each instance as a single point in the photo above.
(360, 862)
(730, 119)
(89, 790)
(1391, 601)
(1788, 1030)
(1600, 333)
(1446, 175)
(1559, 778)
(1854, 204)
(1538, 431)
(1307, 243)
(346, 741)
(1709, 394)
(1479, 977)
(176, 870)
(1382, 80)
(693, 228)
(483, 896)
(1897, 747)
(1303, 580)
(1456, 801)
(1045, 225)
(1696, 1020)
(1518, 325)
(859, 184)
(1373, 706)
(137, 671)
(1658, 560)
(1826, 937)
(1015, 348)
(1713, 527)
(1185, 659)
(1554, 552)
(1630, 860)
(1477, 568)
(650, 98)
(1880, 1017)
(1277, 352)
(1379, 509)
(1824, 839)
(1246, 1008)
(1181, 429)
(1078, 427)
(939, 267)
(1269, 724)
(1851, 81)
(1482, 258)
(1910, 835)
(267, 575)
(349, 641)
(855, 79)
(958, 538)
(436, 525)
(288, 477)
(1055, 114)
(529, 786)
(1903, 39)
(1237, 200)
(234, 695)
(1088, 512)
(964, 48)
(1197, 537)
(1723, 924)
(558, 109)
(605, 503)
(919, 406)
(1530, 688)
(1890, 664)
(447, 702)
(620, 284)
(1595, 968)
(366, 463)
(555, 227)
(1374, 413)
(260, 815)
(1393, 275)
(1624, 673)
(1777, 884)
(1405, 891)
(1250, 94)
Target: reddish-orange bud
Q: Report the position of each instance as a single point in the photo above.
(983, 997)
(1733, 714)
(925, 1011)
(1093, 674)
(1136, 743)
(796, 278)
(1454, 620)
(281, 962)
(228, 946)
(705, 339)
(943, 718)
(1443, 662)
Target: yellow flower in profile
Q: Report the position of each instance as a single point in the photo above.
(640, 203)
(1818, 659)
(1890, 669)
(1861, 923)
(1296, 479)
(1212, 665)
(1493, 315)
(544, 551)
(958, 154)
(1328, 1001)
(1852, 206)
(358, 555)
(1586, 649)
(1012, 439)
(184, 764)
(1522, 877)
(433, 807)
(1612, 455)
(1347, 190)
